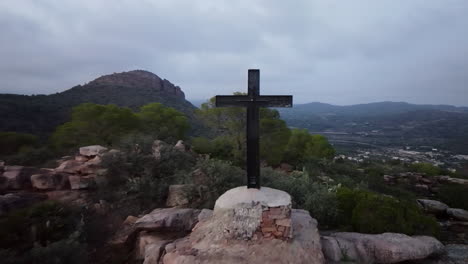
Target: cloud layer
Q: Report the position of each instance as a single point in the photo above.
(341, 52)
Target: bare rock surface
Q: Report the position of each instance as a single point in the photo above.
(94, 150)
(205, 245)
(50, 181)
(82, 182)
(380, 248)
(233, 232)
(433, 206)
(17, 177)
(458, 214)
(176, 219)
(158, 148)
(180, 145)
(161, 226)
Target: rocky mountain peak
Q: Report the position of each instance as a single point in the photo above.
(139, 79)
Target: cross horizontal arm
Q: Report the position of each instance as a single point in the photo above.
(260, 101)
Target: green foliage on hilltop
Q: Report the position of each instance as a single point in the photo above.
(277, 142)
(162, 122)
(107, 124)
(93, 124)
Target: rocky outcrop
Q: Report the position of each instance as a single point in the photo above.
(433, 206)
(233, 233)
(180, 146)
(458, 214)
(169, 219)
(381, 248)
(92, 151)
(14, 201)
(203, 246)
(148, 235)
(17, 177)
(158, 148)
(50, 181)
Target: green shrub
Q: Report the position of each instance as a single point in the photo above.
(221, 175)
(31, 156)
(369, 212)
(426, 168)
(48, 221)
(47, 232)
(454, 195)
(322, 204)
(11, 142)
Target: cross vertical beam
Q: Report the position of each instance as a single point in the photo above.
(252, 101)
(253, 131)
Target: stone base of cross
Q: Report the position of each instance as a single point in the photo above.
(252, 101)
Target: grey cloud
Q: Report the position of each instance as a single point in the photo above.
(340, 52)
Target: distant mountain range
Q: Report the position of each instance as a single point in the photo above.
(371, 109)
(40, 114)
(385, 123)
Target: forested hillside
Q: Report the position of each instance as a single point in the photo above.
(40, 114)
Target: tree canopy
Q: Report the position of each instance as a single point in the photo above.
(107, 124)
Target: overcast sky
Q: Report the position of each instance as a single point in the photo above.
(333, 51)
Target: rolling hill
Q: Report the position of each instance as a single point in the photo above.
(40, 114)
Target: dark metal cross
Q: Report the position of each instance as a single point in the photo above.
(252, 101)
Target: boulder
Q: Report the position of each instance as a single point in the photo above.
(433, 206)
(17, 177)
(380, 248)
(91, 151)
(458, 214)
(81, 159)
(169, 219)
(186, 195)
(157, 241)
(14, 201)
(233, 233)
(458, 181)
(70, 166)
(169, 223)
(50, 181)
(130, 220)
(199, 177)
(180, 145)
(96, 161)
(82, 182)
(153, 252)
(158, 148)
